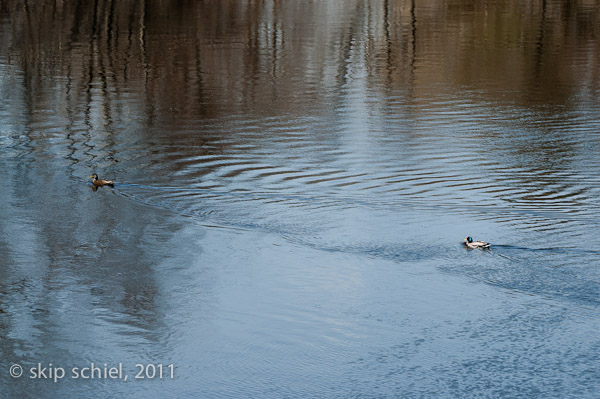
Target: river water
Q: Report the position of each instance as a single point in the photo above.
(293, 183)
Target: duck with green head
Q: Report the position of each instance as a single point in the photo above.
(470, 244)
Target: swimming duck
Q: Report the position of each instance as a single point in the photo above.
(470, 244)
(101, 182)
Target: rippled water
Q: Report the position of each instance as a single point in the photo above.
(293, 182)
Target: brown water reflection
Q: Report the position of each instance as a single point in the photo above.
(203, 59)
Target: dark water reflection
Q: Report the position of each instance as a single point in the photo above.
(293, 179)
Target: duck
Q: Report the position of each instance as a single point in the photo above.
(101, 182)
(470, 244)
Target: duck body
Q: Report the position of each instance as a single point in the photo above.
(101, 182)
(470, 244)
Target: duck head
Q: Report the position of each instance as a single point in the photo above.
(469, 239)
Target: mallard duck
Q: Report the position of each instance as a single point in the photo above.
(470, 244)
(101, 182)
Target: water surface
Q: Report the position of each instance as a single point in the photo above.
(293, 181)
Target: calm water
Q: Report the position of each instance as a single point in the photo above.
(294, 179)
